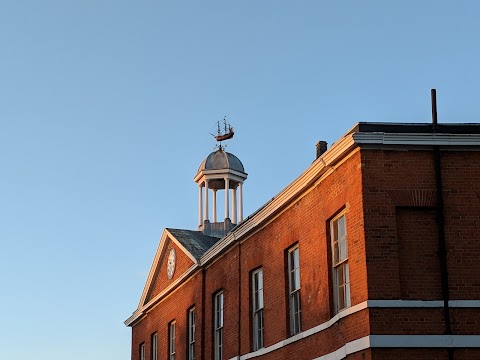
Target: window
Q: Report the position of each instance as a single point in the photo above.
(294, 290)
(257, 308)
(154, 346)
(341, 278)
(218, 326)
(171, 340)
(191, 334)
(142, 351)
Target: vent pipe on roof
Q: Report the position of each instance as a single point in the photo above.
(321, 148)
(434, 109)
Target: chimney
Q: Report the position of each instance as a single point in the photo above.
(321, 148)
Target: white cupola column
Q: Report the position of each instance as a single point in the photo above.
(226, 198)
(200, 205)
(234, 205)
(214, 205)
(206, 200)
(240, 203)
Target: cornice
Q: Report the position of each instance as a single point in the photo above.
(223, 172)
(428, 139)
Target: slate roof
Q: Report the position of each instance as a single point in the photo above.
(194, 241)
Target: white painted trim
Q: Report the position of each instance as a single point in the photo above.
(151, 273)
(171, 287)
(156, 262)
(346, 312)
(422, 303)
(464, 303)
(232, 174)
(393, 341)
(424, 341)
(381, 339)
(347, 349)
(165, 235)
(142, 310)
(405, 303)
(426, 139)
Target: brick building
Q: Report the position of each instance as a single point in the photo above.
(371, 253)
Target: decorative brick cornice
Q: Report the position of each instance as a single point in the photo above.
(417, 197)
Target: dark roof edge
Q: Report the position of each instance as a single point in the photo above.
(416, 128)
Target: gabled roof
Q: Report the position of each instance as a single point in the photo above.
(195, 242)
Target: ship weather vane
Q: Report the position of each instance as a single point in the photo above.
(224, 132)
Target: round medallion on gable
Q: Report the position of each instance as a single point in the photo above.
(171, 263)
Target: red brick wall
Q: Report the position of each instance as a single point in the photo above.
(424, 354)
(383, 171)
(419, 265)
(407, 321)
(304, 223)
(461, 177)
(465, 321)
(410, 354)
(402, 237)
(414, 170)
(396, 261)
(222, 275)
(174, 307)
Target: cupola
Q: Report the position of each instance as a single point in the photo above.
(220, 171)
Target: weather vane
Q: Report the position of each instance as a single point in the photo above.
(224, 132)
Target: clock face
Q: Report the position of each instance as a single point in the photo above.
(171, 263)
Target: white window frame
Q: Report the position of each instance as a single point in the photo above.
(142, 351)
(191, 333)
(154, 346)
(171, 340)
(218, 326)
(294, 290)
(340, 269)
(257, 309)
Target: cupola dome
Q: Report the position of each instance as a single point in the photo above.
(221, 160)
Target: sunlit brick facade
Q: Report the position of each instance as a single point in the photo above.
(373, 252)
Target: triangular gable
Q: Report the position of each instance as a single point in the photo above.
(157, 279)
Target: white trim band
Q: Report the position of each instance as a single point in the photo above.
(347, 349)
(464, 303)
(381, 340)
(424, 341)
(395, 341)
(422, 303)
(405, 303)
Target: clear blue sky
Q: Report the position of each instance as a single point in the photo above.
(105, 112)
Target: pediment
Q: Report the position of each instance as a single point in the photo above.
(187, 247)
